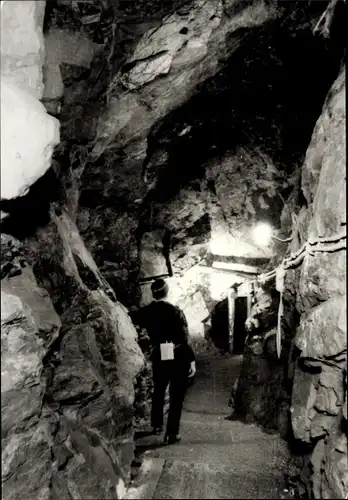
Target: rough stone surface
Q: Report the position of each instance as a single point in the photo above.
(29, 326)
(113, 197)
(28, 136)
(325, 273)
(165, 130)
(303, 399)
(67, 49)
(312, 336)
(22, 44)
(321, 335)
(28, 133)
(261, 394)
(67, 383)
(189, 44)
(314, 343)
(321, 183)
(152, 255)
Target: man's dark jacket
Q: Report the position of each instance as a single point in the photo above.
(165, 322)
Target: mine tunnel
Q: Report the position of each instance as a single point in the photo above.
(173, 237)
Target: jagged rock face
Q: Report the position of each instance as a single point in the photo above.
(75, 422)
(192, 55)
(23, 50)
(183, 50)
(311, 373)
(28, 133)
(69, 350)
(28, 136)
(321, 336)
(262, 392)
(152, 119)
(29, 326)
(27, 463)
(185, 150)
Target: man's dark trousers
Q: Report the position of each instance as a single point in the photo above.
(175, 373)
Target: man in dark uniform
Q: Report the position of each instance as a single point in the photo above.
(173, 360)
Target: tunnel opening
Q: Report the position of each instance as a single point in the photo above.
(226, 337)
(239, 331)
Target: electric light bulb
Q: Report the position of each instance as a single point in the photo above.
(262, 234)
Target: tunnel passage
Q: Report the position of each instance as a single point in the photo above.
(239, 331)
(224, 339)
(263, 100)
(219, 332)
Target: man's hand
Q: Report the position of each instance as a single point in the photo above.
(192, 369)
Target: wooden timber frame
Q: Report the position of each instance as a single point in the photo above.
(231, 298)
(149, 279)
(232, 294)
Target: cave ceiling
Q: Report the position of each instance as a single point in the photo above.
(185, 116)
(235, 142)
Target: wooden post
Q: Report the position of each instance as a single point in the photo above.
(231, 297)
(249, 303)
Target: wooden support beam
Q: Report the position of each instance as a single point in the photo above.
(215, 270)
(230, 266)
(231, 298)
(146, 280)
(249, 303)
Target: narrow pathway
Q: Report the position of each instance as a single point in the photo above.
(217, 458)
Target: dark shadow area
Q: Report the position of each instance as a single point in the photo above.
(219, 331)
(29, 212)
(239, 331)
(277, 79)
(142, 434)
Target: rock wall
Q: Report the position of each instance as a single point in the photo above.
(28, 133)
(67, 380)
(307, 386)
(261, 394)
(70, 355)
(319, 395)
(169, 57)
(185, 48)
(29, 326)
(22, 44)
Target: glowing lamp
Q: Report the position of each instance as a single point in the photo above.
(262, 234)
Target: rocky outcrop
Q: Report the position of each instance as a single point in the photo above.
(183, 50)
(169, 152)
(28, 133)
(68, 399)
(28, 136)
(128, 101)
(306, 387)
(22, 44)
(69, 350)
(29, 326)
(318, 416)
(98, 334)
(261, 393)
(197, 39)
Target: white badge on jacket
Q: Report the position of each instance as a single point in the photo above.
(167, 351)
